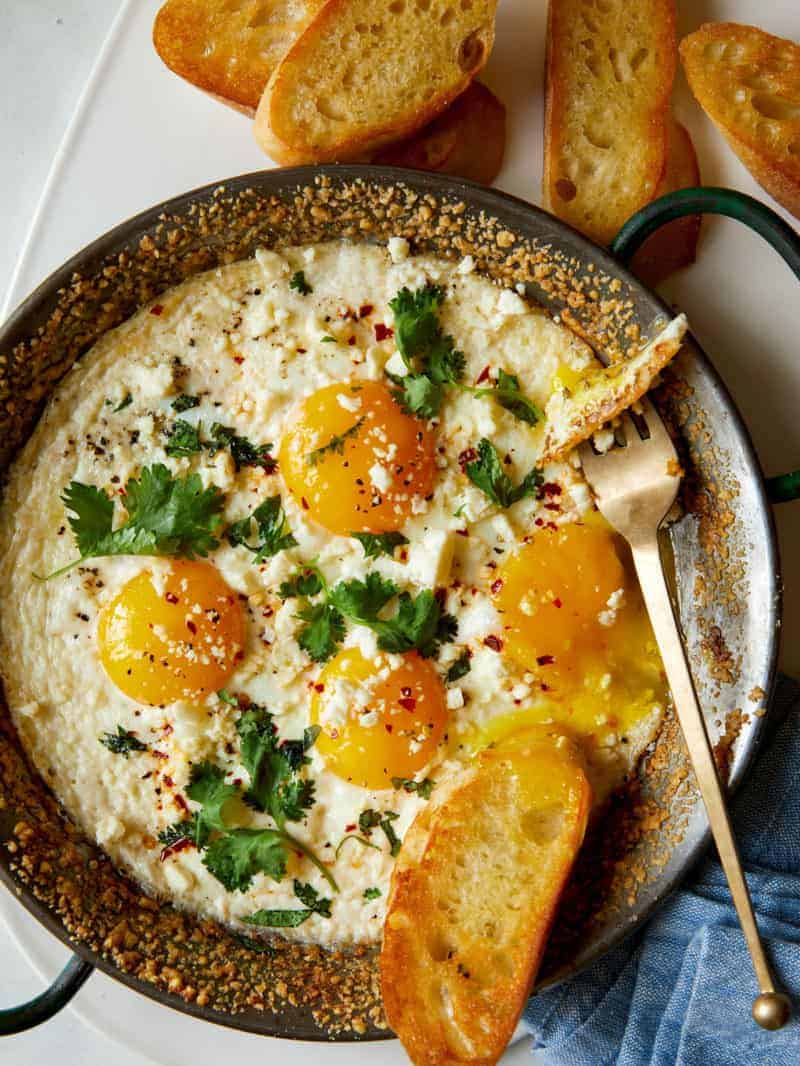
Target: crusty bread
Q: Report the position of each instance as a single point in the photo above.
(610, 68)
(749, 83)
(473, 897)
(468, 139)
(364, 73)
(229, 48)
(603, 393)
(674, 245)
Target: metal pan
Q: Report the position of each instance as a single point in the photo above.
(726, 569)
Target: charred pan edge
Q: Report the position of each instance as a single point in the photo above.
(306, 992)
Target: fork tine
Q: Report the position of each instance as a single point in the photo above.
(655, 424)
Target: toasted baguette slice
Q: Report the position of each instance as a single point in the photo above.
(610, 69)
(572, 416)
(229, 48)
(473, 897)
(675, 245)
(468, 139)
(749, 84)
(367, 72)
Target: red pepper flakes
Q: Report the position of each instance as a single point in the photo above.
(238, 359)
(382, 332)
(493, 642)
(157, 309)
(170, 597)
(484, 374)
(168, 781)
(159, 754)
(301, 351)
(408, 703)
(544, 660)
(350, 827)
(351, 340)
(191, 626)
(469, 455)
(552, 506)
(496, 586)
(180, 802)
(557, 602)
(538, 522)
(462, 532)
(405, 691)
(319, 687)
(173, 849)
(364, 310)
(387, 727)
(304, 502)
(551, 488)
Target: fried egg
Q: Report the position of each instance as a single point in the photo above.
(129, 672)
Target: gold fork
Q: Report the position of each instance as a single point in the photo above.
(635, 485)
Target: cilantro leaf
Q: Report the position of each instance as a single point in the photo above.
(295, 750)
(422, 788)
(122, 742)
(328, 340)
(362, 600)
(415, 322)
(235, 858)
(172, 516)
(299, 284)
(323, 633)
(419, 395)
(183, 440)
(271, 766)
(243, 451)
(305, 583)
(375, 544)
(290, 919)
(487, 473)
(335, 445)
(190, 829)
(184, 403)
(372, 893)
(273, 531)
(207, 786)
(444, 364)
(460, 668)
(509, 395)
(370, 819)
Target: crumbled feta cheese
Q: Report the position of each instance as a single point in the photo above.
(430, 559)
(398, 249)
(380, 477)
(603, 440)
(613, 603)
(455, 698)
(396, 365)
(466, 266)
(509, 303)
(349, 403)
(520, 692)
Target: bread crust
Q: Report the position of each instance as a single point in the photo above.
(748, 82)
(287, 144)
(614, 182)
(457, 966)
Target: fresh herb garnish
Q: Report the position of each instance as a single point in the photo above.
(360, 839)
(184, 403)
(487, 473)
(430, 355)
(237, 856)
(122, 742)
(508, 394)
(372, 893)
(370, 819)
(299, 283)
(183, 440)
(126, 401)
(170, 516)
(328, 340)
(375, 544)
(243, 451)
(422, 788)
(460, 668)
(418, 624)
(335, 445)
(288, 919)
(274, 534)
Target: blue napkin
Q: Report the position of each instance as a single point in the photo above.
(679, 993)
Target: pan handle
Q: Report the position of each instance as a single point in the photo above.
(715, 201)
(47, 1003)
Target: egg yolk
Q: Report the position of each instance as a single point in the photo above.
(176, 636)
(355, 462)
(379, 719)
(573, 616)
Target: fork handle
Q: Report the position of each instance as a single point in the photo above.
(771, 1009)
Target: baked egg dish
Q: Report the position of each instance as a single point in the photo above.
(289, 548)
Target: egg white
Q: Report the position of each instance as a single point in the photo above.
(250, 347)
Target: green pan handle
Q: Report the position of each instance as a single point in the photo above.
(738, 205)
(47, 1003)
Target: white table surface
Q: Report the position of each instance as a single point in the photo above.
(47, 48)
